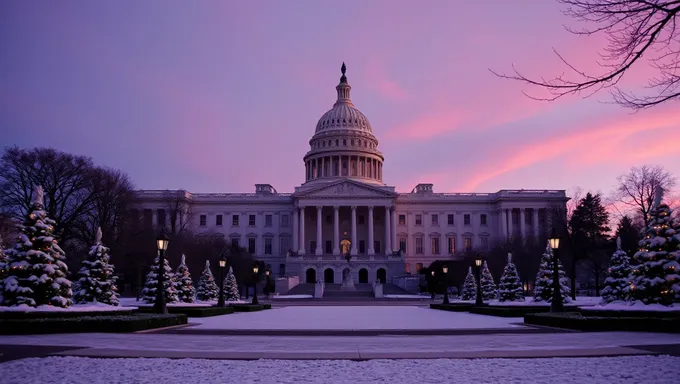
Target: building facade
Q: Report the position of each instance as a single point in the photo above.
(344, 211)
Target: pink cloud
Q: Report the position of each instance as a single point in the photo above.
(378, 79)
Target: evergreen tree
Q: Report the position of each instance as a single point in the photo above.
(3, 267)
(97, 284)
(230, 287)
(207, 288)
(617, 284)
(36, 270)
(469, 287)
(543, 286)
(151, 284)
(510, 286)
(183, 283)
(655, 266)
(629, 233)
(489, 290)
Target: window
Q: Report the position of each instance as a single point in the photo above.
(267, 220)
(452, 245)
(485, 242)
(449, 219)
(267, 245)
(482, 219)
(312, 246)
(402, 245)
(407, 268)
(376, 246)
(218, 220)
(435, 245)
(284, 245)
(361, 219)
(419, 266)
(282, 269)
(467, 244)
(160, 217)
(329, 246)
(362, 246)
(435, 219)
(235, 242)
(402, 219)
(251, 245)
(234, 220)
(466, 219)
(419, 245)
(285, 220)
(419, 219)
(203, 220)
(251, 220)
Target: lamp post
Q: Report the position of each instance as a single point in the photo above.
(478, 263)
(223, 264)
(557, 304)
(266, 284)
(256, 269)
(445, 269)
(432, 286)
(162, 243)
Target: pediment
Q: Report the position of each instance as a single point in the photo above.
(346, 188)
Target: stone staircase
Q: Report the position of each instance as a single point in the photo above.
(363, 291)
(302, 289)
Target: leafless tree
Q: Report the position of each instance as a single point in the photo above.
(634, 29)
(179, 210)
(637, 188)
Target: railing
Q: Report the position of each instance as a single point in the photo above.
(358, 258)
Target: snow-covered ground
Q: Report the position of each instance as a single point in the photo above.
(529, 301)
(638, 306)
(73, 308)
(355, 317)
(132, 302)
(406, 296)
(629, 369)
(292, 297)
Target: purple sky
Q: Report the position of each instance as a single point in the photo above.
(218, 96)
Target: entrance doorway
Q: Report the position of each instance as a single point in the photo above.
(329, 276)
(363, 276)
(310, 276)
(381, 274)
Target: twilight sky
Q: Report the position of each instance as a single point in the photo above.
(219, 95)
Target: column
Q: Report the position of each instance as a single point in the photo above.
(301, 251)
(296, 225)
(523, 222)
(353, 251)
(388, 248)
(323, 167)
(395, 243)
(535, 222)
(504, 223)
(332, 170)
(371, 240)
(336, 230)
(319, 240)
(511, 232)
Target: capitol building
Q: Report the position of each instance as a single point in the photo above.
(344, 207)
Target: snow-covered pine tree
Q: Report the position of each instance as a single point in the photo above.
(207, 288)
(617, 283)
(510, 286)
(231, 287)
(3, 267)
(151, 284)
(655, 269)
(489, 290)
(469, 287)
(543, 286)
(97, 283)
(183, 283)
(36, 272)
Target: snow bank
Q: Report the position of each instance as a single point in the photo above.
(406, 297)
(293, 297)
(638, 306)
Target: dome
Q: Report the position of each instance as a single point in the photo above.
(344, 115)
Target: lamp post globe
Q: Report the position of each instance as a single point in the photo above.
(478, 263)
(557, 304)
(256, 269)
(445, 269)
(162, 244)
(222, 264)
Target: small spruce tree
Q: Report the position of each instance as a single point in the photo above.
(618, 281)
(489, 290)
(183, 283)
(36, 271)
(207, 288)
(231, 287)
(655, 269)
(469, 287)
(543, 287)
(97, 283)
(3, 267)
(510, 286)
(151, 284)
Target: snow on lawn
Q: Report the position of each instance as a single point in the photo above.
(355, 317)
(638, 306)
(529, 301)
(628, 369)
(74, 308)
(406, 296)
(292, 297)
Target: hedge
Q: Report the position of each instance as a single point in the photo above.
(248, 307)
(118, 323)
(194, 311)
(61, 315)
(641, 313)
(513, 310)
(576, 321)
(456, 307)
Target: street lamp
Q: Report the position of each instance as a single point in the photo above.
(256, 269)
(223, 264)
(445, 269)
(557, 304)
(162, 243)
(478, 263)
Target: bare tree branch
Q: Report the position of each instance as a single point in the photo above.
(637, 188)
